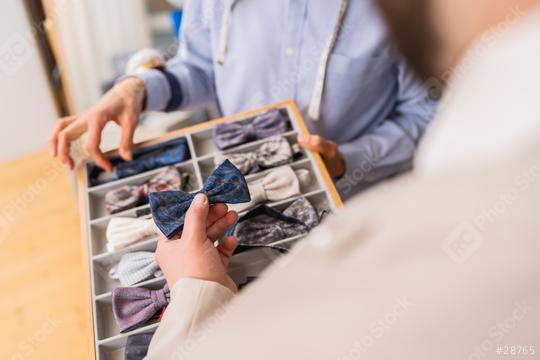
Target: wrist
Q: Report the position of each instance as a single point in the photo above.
(134, 89)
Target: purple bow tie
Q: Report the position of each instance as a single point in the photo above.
(129, 196)
(134, 306)
(269, 124)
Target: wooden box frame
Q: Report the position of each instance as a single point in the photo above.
(105, 348)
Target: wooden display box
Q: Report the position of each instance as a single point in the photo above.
(105, 341)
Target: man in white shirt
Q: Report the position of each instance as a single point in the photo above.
(443, 263)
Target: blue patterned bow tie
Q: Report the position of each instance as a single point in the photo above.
(269, 124)
(146, 159)
(225, 185)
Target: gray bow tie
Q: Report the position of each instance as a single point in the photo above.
(269, 124)
(279, 184)
(277, 151)
(271, 226)
(135, 267)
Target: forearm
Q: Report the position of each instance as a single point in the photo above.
(193, 304)
(375, 156)
(185, 86)
(189, 81)
(389, 148)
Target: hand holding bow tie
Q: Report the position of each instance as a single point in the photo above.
(193, 254)
(225, 185)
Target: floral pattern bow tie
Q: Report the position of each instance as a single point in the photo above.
(264, 225)
(130, 196)
(275, 152)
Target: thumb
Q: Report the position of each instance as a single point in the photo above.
(196, 218)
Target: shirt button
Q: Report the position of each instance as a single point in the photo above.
(289, 51)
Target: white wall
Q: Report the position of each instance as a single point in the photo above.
(27, 111)
(90, 33)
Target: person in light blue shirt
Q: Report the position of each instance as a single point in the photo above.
(361, 102)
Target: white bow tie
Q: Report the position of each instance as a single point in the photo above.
(279, 184)
(123, 232)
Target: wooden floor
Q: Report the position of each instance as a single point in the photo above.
(41, 279)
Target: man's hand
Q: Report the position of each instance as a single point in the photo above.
(193, 254)
(122, 104)
(332, 157)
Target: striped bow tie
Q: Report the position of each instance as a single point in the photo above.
(135, 267)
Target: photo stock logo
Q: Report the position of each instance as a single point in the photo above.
(14, 54)
(463, 242)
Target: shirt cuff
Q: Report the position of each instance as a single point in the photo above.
(193, 302)
(158, 90)
(184, 285)
(357, 171)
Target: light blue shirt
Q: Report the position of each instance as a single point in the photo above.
(372, 106)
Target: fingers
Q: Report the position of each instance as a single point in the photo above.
(216, 211)
(61, 124)
(162, 248)
(94, 140)
(129, 124)
(73, 131)
(221, 225)
(196, 219)
(318, 144)
(226, 249)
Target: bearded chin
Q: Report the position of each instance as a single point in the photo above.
(413, 32)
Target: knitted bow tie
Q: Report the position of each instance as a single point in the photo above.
(225, 185)
(279, 184)
(134, 306)
(264, 225)
(268, 124)
(135, 267)
(277, 151)
(146, 159)
(129, 196)
(123, 232)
